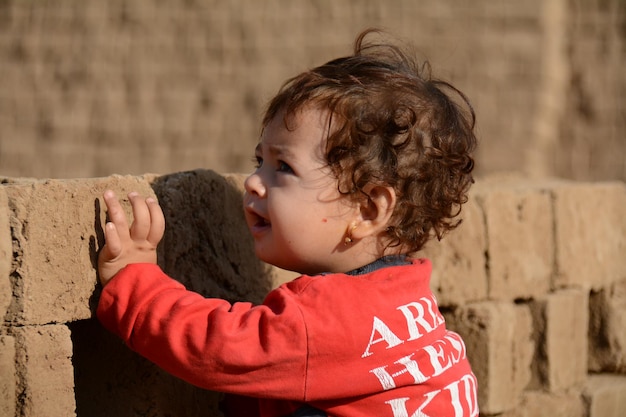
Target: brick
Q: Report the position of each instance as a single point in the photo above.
(6, 254)
(606, 395)
(607, 329)
(519, 239)
(459, 275)
(45, 372)
(500, 349)
(207, 245)
(590, 233)
(56, 226)
(8, 381)
(112, 380)
(540, 403)
(561, 319)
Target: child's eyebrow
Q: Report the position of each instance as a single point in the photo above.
(276, 151)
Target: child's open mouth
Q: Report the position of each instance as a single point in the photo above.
(260, 226)
(262, 223)
(257, 223)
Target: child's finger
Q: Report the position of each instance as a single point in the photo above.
(157, 222)
(140, 227)
(115, 212)
(113, 247)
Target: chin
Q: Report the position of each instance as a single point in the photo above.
(278, 264)
(268, 257)
(275, 258)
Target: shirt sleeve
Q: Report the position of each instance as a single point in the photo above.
(237, 348)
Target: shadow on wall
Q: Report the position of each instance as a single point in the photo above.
(207, 247)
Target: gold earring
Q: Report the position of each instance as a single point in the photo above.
(348, 239)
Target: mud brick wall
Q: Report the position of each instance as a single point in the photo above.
(92, 88)
(534, 280)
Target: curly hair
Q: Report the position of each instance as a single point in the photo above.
(392, 125)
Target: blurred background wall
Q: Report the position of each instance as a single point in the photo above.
(93, 88)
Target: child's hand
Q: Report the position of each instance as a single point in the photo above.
(127, 245)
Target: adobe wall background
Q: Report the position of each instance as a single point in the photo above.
(534, 280)
(90, 89)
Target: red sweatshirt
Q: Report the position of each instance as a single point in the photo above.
(366, 345)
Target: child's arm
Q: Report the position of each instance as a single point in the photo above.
(128, 245)
(208, 342)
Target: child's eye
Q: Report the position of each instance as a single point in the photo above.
(258, 161)
(284, 167)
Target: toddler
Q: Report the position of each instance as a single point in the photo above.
(360, 162)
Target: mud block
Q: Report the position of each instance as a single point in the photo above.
(499, 344)
(540, 403)
(56, 227)
(606, 395)
(44, 370)
(6, 254)
(111, 380)
(520, 239)
(607, 329)
(459, 275)
(7, 376)
(561, 322)
(590, 233)
(207, 245)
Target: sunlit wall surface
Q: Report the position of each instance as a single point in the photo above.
(130, 87)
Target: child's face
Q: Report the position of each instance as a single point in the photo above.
(294, 211)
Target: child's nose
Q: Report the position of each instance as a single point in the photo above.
(254, 185)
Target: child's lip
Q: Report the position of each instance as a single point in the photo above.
(256, 222)
(259, 227)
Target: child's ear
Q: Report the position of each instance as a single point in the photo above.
(374, 212)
